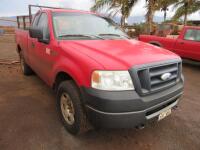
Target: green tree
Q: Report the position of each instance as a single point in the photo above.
(152, 6)
(164, 4)
(185, 8)
(116, 6)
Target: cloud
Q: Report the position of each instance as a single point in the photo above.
(52, 3)
(11, 8)
(140, 10)
(19, 7)
(77, 4)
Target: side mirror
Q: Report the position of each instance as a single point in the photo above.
(38, 34)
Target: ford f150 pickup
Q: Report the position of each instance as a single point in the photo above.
(100, 76)
(186, 45)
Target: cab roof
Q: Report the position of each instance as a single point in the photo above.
(66, 10)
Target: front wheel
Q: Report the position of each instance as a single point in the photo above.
(71, 109)
(26, 70)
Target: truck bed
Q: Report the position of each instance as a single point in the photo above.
(166, 42)
(21, 37)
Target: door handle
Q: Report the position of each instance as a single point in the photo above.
(32, 44)
(181, 42)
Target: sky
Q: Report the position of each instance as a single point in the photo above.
(19, 7)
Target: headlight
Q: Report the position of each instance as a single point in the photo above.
(112, 80)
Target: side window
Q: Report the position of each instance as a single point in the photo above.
(36, 20)
(43, 24)
(192, 35)
(198, 36)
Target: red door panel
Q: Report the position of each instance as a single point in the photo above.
(189, 46)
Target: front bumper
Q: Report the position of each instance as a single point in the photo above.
(127, 109)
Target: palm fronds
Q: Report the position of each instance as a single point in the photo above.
(185, 8)
(124, 7)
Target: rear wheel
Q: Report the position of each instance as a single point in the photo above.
(71, 109)
(26, 70)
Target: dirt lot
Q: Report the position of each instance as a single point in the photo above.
(29, 121)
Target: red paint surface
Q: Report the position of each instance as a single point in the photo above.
(80, 58)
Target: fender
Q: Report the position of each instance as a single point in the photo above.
(156, 43)
(79, 73)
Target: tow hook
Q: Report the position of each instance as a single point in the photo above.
(140, 127)
(175, 107)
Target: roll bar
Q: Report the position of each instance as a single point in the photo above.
(41, 7)
(24, 22)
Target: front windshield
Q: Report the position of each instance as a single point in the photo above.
(69, 26)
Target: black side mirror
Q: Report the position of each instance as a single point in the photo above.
(38, 34)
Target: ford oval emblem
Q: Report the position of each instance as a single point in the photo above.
(166, 76)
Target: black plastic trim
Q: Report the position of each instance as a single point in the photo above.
(136, 80)
(126, 109)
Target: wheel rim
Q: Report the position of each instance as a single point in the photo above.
(67, 108)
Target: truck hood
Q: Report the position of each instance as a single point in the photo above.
(119, 54)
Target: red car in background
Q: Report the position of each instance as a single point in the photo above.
(186, 45)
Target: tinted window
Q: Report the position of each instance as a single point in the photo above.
(192, 35)
(43, 24)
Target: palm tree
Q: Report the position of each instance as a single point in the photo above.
(185, 8)
(165, 9)
(116, 6)
(164, 4)
(151, 6)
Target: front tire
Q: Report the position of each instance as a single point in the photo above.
(26, 70)
(71, 109)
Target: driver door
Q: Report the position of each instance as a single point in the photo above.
(189, 46)
(40, 50)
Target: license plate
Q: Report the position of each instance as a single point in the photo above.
(164, 114)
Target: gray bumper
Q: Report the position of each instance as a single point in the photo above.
(127, 109)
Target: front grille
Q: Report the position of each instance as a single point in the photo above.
(149, 78)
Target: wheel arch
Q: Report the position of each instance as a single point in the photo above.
(156, 43)
(19, 49)
(60, 77)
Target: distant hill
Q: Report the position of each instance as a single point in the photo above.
(131, 20)
(10, 23)
(138, 19)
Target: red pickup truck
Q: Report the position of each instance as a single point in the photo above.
(100, 76)
(186, 45)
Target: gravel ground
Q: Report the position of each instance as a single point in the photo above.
(29, 120)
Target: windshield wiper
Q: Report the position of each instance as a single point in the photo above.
(81, 35)
(111, 34)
